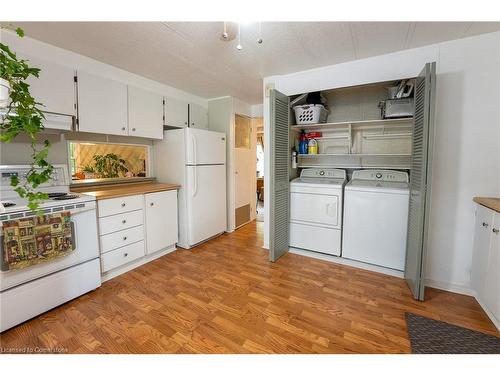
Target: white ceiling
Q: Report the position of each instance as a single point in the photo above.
(190, 55)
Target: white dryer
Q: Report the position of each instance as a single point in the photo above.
(316, 210)
(376, 218)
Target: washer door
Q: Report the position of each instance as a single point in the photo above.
(315, 208)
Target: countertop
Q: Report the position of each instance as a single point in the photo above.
(122, 190)
(491, 203)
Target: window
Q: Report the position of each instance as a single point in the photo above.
(108, 160)
(243, 132)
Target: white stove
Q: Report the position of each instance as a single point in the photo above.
(25, 293)
(60, 198)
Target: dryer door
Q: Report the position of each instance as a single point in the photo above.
(315, 208)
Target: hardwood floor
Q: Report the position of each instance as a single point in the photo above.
(225, 297)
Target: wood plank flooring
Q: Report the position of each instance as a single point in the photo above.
(225, 297)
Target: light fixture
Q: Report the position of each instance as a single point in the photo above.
(232, 30)
(239, 47)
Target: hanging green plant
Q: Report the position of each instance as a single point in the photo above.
(21, 114)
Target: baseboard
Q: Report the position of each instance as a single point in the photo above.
(450, 287)
(492, 317)
(347, 262)
(136, 263)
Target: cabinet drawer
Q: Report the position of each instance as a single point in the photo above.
(121, 256)
(114, 223)
(124, 237)
(120, 205)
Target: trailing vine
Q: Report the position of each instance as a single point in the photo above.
(22, 115)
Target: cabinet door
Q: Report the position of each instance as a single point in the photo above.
(176, 113)
(482, 230)
(145, 113)
(54, 88)
(102, 105)
(198, 117)
(492, 282)
(161, 220)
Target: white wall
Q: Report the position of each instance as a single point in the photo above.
(221, 117)
(467, 154)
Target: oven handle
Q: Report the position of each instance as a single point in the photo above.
(73, 236)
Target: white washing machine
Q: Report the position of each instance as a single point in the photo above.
(376, 218)
(316, 210)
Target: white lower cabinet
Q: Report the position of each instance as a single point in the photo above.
(161, 220)
(133, 227)
(485, 274)
(121, 256)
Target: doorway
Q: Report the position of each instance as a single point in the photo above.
(259, 133)
(244, 170)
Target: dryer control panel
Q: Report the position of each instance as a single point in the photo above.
(322, 173)
(380, 175)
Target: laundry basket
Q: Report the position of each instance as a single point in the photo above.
(310, 114)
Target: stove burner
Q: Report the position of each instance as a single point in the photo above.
(8, 204)
(65, 197)
(55, 195)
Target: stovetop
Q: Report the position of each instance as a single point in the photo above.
(21, 204)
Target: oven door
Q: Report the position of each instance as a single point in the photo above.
(84, 224)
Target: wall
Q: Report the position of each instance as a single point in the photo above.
(221, 117)
(467, 156)
(18, 151)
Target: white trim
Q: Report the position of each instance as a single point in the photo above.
(492, 317)
(348, 262)
(137, 263)
(450, 287)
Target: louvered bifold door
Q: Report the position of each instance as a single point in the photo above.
(279, 176)
(420, 177)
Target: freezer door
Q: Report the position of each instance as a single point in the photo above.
(206, 202)
(205, 147)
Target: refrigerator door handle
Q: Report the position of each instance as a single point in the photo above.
(193, 142)
(195, 181)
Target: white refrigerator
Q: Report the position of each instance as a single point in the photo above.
(196, 160)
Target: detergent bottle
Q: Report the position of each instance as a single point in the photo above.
(312, 146)
(302, 143)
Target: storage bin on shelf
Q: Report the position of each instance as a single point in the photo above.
(310, 114)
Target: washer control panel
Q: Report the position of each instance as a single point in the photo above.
(322, 173)
(380, 175)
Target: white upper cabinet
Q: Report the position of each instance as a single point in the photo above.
(145, 113)
(198, 117)
(54, 88)
(102, 105)
(176, 113)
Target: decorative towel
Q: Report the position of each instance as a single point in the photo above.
(29, 241)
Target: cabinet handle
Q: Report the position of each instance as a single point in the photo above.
(192, 123)
(125, 255)
(123, 204)
(133, 129)
(123, 128)
(185, 123)
(496, 230)
(124, 221)
(151, 204)
(125, 238)
(485, 225)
